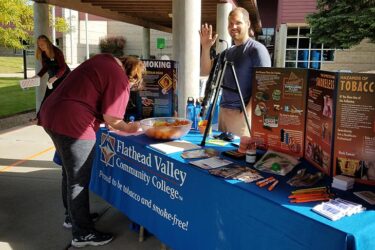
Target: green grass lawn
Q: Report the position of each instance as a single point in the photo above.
(11, 64)
(13, 99)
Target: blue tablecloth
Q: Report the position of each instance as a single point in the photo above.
(187, 208)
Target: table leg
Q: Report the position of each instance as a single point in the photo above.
(141, 237)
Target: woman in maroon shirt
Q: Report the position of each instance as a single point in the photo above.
(95, 92)
(53, 63)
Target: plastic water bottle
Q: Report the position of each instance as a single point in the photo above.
(190, 111)
(198, 108)
(131, 119)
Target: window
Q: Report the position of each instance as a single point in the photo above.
(300, 52)
(268, 39)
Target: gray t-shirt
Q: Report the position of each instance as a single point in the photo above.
(244, 57)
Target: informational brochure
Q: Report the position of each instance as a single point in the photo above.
(210, 163)
(200, 153)
(368, 196)
(229, 172)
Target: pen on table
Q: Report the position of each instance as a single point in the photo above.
(265, 180)
(307, 195)
(309, 190)
(312, 197)
(309, 200)
(270, 188)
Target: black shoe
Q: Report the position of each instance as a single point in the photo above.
(68, 222)
(94, 238)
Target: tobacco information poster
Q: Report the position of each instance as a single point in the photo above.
(354, 152)
(157, 99)
(319, 119)
(278, 108)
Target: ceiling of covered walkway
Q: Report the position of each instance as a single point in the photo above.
(151, 14)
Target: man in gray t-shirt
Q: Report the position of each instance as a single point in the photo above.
(246, 54)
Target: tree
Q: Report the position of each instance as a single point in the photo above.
(342, 23)
(60, 23)
(17, 23)
(113, 45)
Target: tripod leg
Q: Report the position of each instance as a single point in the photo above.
(212, 109)
(241, 98)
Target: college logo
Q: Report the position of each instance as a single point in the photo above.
(107, 148)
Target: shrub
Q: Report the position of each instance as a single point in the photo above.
(113, 45)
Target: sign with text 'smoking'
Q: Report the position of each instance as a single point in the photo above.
(158, 98)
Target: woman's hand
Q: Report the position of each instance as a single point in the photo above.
(119, 124)
(52, 79)
(133, 127)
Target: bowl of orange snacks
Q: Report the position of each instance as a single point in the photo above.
(165, 128)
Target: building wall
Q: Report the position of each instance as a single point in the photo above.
(134, 39)
(359, 58)
(268, 13)
(294, 11)
(96, 30)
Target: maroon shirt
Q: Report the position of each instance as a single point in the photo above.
(55, 66)
(75, 109)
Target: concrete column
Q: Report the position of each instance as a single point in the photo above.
(71, 38)
(41, 27)
(223, 10)
(53, 25)
(146, 43)
(186, 24)
(280, 45)
(86, 34)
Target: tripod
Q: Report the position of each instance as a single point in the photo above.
(218, 85)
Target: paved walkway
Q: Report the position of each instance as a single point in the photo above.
(30, 73)
(31, 210)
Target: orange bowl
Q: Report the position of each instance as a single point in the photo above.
(166, 128)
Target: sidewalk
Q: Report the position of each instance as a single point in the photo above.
(30, 73)
(31, 210)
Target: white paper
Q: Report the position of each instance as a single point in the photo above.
(32, 82)
(174, 146)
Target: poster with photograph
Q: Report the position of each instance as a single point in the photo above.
(354, 151)
(158, 97)
(278, 108)
(320, 119)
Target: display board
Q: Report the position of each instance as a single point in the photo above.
(321, 102)
(278, 108)
(354, 150)
(158, 97)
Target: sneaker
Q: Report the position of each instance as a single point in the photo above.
(94, 238)
(68, 222)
